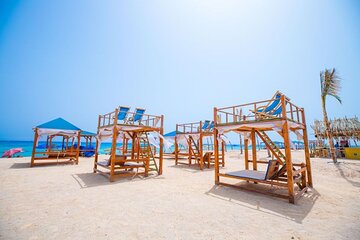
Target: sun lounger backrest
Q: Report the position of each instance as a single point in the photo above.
(139, 113)
(272, 169)
(211, 125)
(274, 104)
(123, 112)
(206, 124)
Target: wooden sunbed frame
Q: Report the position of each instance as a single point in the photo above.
(136, 157)
(204, 157)
(48, 157)
(295, 177)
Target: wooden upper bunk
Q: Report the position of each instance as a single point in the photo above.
(204, 128)
(131, 121)
(262, 115)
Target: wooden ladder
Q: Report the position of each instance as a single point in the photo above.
(194, 148)
(280, 157)
(146, 151)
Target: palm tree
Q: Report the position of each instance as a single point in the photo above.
(330, 86)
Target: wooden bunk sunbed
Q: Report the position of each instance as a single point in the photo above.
(295, 177)
(135, 127)
(49, 153)
(192, 135)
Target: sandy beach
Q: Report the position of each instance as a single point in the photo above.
(71, 202)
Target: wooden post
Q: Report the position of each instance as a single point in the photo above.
(124, 142)
(78, 147)
(97, 146)
(34, 148)
(253, 148)
(138, 144)
(246, 151)
(306, 149)
(288, 160)
(176, 151)
(161, 146)
(113, 147)
(241, 147)
(133, 146)
(201, 147)
(216, 149)
(50, 148)
(176, 146)
(223, 153)
(189, 149)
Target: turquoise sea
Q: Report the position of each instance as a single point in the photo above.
(28, 145)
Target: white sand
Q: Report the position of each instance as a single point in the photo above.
(70, 202)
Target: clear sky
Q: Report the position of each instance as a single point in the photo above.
(78, 59)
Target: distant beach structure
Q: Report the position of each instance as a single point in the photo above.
(346, 133)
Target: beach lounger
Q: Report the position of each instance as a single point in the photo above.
(120, 160)
(123, 113)
(206, 125)
(211, 126)
(270, 173)
(137, 117)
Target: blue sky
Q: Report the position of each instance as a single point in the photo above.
(78, 59)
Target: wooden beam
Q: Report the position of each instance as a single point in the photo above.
(246, 151)
(34, 148)
(253, 149)
(161, 146)
(289, 166)
(255, 190)
(97, 146)
(306, 149)
(113, 147)
(216, 148)
(200, 147)
(78, 147)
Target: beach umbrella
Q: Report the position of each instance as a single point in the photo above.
(9, 153)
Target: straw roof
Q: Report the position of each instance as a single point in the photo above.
(340, 127)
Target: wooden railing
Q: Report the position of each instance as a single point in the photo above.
(255, 111)
(189, 127)
(147, 120)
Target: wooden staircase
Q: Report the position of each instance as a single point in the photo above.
(147, 151)
(194, 149)
(280, 157)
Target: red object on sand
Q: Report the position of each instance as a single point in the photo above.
(9, 153)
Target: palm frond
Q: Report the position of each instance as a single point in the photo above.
(330, 84)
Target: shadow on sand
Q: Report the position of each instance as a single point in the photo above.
(20, 165)
(352, 166)
(266, 204)
(88, 180)
(192, 168)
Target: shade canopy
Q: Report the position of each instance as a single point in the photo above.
(88, 134)
(170, 134)
(60, 124)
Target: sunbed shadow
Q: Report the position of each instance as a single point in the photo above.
(88, 180)
(341, 165)
(266, 204)
(20, 165)
(192, 168)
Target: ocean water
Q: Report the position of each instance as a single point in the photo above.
(27, 147)
(104, 147)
